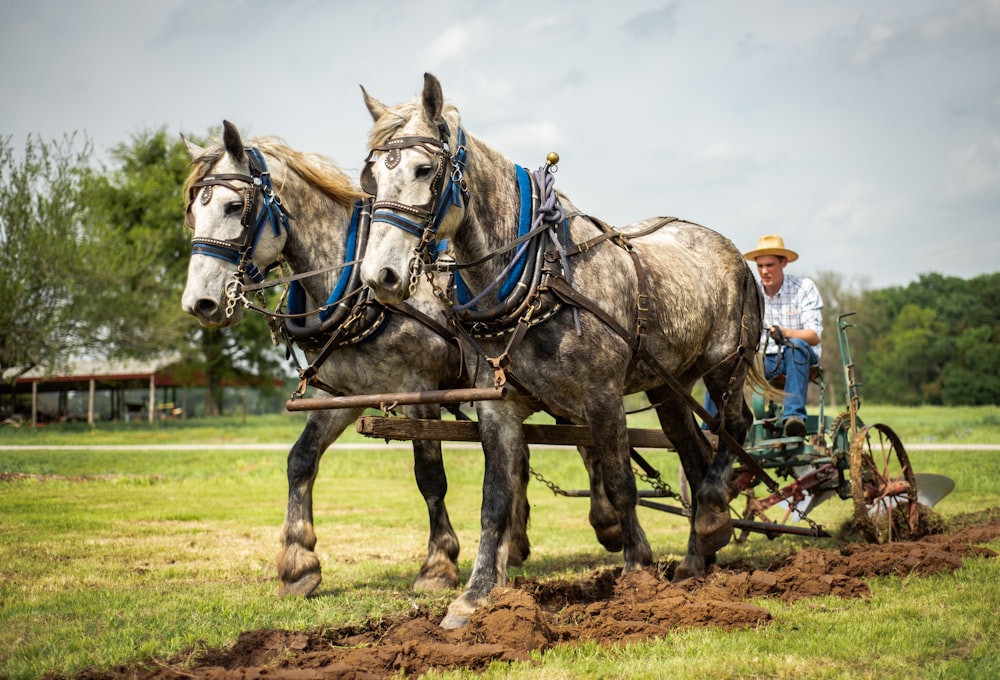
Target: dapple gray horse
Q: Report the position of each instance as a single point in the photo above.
(606, 316)
(302, 213)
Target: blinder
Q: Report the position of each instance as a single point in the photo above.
(239, 251)
(447, 186)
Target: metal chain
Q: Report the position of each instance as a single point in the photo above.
(813, 526)
(657, 483)
(552, 486)
(661, 486)
(234, 294)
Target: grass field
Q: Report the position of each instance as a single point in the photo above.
(115, 556)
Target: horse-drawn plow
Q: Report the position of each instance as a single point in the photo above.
(547, 309)
(839, 456)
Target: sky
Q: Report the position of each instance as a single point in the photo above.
(866, 134)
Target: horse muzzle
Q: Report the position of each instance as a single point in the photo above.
(210, 312)
(388, 285)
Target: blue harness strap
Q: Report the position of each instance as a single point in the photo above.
(296, 294)
(523, 227)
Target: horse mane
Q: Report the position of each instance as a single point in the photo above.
(317, 170)
(396, 117)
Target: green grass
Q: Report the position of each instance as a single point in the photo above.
(114, 557)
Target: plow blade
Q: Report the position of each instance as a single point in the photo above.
(932, 488)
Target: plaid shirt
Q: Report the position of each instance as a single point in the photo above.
(796, 305)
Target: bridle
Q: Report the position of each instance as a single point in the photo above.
(448, 188)
(258, 190)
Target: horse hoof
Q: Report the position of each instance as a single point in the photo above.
(692, 566)
(713, 530)
(434, 583)
(302, 587)
(611, 538)
(453, 622)
(458, 615)
(518, 550)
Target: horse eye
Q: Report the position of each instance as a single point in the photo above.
(234, 208)
(424, 171)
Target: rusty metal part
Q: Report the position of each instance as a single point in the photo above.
(883, 485)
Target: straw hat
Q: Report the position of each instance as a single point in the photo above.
(772, 244)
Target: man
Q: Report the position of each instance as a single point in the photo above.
(793, 324)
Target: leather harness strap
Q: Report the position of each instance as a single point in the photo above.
(559, 286)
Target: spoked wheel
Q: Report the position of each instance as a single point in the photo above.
(883, 486)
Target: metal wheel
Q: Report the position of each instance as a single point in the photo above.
(840, 431)
(882, 485)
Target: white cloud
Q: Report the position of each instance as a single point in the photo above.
(871, 44)
(976, 169)
(516, 139)
(457, 41)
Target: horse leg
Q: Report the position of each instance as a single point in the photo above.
(440, 568)
(518, 545)
(609, 429)
(712, 526)
(603, 517)
(715, 526)
(500, 428)
(298, 565)
(695, 455)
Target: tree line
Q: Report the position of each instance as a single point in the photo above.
(93, 261)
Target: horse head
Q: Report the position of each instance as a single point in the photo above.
(415, 170)
(239, 227)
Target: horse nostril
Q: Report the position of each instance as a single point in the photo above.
(388, 278)
(206, 308)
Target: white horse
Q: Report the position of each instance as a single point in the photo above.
(248, 207)
(570, 314)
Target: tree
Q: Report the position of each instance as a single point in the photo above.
(907, 364)
(973, 376)
(44, 277)
(135, 225)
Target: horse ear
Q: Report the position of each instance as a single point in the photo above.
(375, 107)
(194, 151)
(232, 141)
(432, 97)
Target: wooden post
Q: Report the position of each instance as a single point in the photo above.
(152, 397)
(90, 404)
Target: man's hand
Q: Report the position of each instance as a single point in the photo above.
(776, 334)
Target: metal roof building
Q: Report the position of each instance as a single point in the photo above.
(91, 376)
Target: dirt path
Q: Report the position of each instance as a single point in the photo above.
(604, 607)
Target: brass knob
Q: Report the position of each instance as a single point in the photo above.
(552, 158)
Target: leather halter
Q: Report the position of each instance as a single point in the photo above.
(239, 251)
(448, 188)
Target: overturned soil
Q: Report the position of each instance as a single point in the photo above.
(604, 607)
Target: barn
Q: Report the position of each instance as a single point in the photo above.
(101, 388)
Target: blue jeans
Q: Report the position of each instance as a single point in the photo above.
(793, 361)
